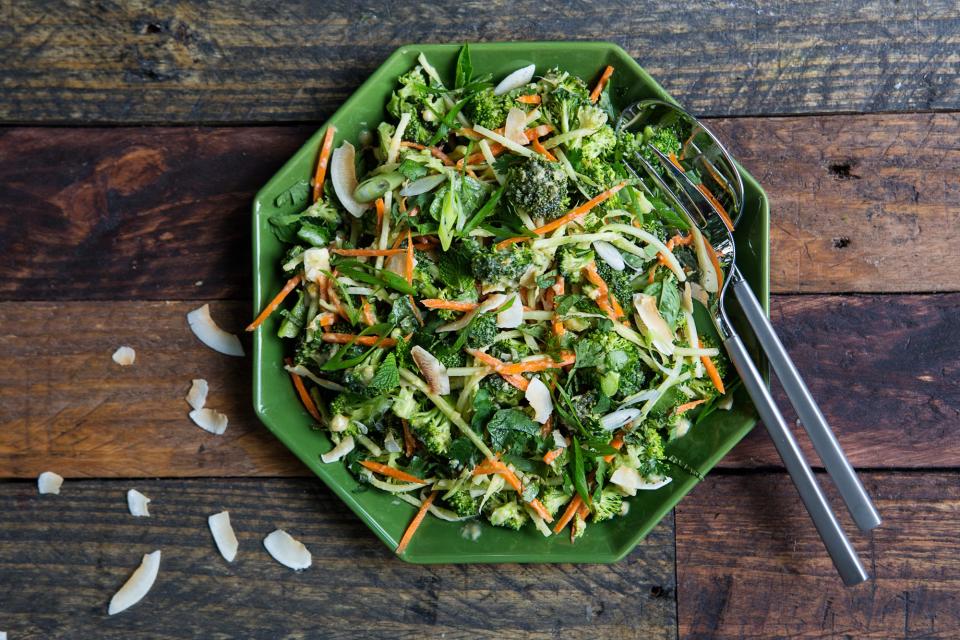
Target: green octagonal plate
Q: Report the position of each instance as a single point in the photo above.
(442, 542)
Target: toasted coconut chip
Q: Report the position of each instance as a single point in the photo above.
(618, 418)
(49, 482)
(137, 503)
(630, 481)
(432, 369)
(197, 396)
(316, 263)
(343, 174)
(209, 420)
(346, 446)
(134, 589)
(558, 440)
(653, 323)
(538, 395)
(287, 551)
(211, 335)
(124, 356)
(513, 129)
(223, 535)
(515, 80)
(609, 254)
(512, 316)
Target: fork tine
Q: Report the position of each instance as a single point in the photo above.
(662, 185)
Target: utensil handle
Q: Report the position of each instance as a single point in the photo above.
(855, 497)
(838, 546)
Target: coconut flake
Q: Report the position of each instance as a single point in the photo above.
(538, 395)
(209, 420)
(390, 443)
(559, 441)
(197, 396)
(432, 369)
(124, 356)
(512, 316)
(653, 323)
(619, 418)
(138, 585)
(211, 335)
(726, 403)
(288, 551)
(346, 446)
(49, 482)
(514, 126)
(515, 80)
(343, 174)
(137, 503)
(630, 481)
(423, 185)
(609, 254)
(316, 263)
(223, 535)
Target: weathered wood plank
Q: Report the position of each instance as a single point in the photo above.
(750, 564)
(62, 557)
(241, 62)
(162, 213)
(881, 367)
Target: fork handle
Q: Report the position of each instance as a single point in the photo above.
(824, 442)
(838, 545)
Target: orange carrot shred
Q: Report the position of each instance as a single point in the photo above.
(539, 148)
(409, 444)
(409, 263)
(384, 470)
(595, 94)
(451, 305)
(580, 211)
(273, 304)
(415, 523)
(686, 406)
(537, 364)
(368, 316)
(550, 456)
(503, 244)
(616, 443)
(304, 395)
(367, 341)
(516, 380)
(323, 159)
(530, 99)
(380, 205)
(568, 514)
(603, 293)
(541, 510)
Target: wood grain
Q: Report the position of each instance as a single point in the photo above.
(223, 61)
(879, 365)
(62, 557)
(750, 564)
(162, 213)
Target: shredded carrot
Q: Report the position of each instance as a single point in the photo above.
(304, 395)
(568, 514)
(541, 510)
(409, 263)
(412, 145)
(367, 252)
(409, 444)
(323, 159)
(686, 406)
(433, 150)
(416, 312)
(583, 511)
(384, 470)
(368, 316)
(335, 301)
(367, 341)
(503, 244)
(713, 373)
(580, 211)
(326, 319)
(706, 194)
(530, 99)
(273, 304)
(491, 465)
(380, 205)
(603, 293)
(616, 443)
(451, 305)
(516, 380)
(415, 523)
(550, 456)
(496, 148)
(595, 94)
(715, 263)
(538, 364)
(539, 148)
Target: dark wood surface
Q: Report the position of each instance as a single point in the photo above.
(846, 112)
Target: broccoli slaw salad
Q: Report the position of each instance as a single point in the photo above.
(490, 317)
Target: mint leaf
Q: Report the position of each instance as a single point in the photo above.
(412, 170)
(483, 408)
(508, 427)
(387, 376)
(294, 196)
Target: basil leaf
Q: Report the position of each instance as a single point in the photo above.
(449, 214)
(464, 68)
(579, 473)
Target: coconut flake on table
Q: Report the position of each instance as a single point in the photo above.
(515, 80)
(49, 482)
(287, 550)
(197, 396)
(344, 447)
(343, 175)
(223, 535)
(512, 315)
(124, 356)
(137, 504)
(209, 420)
(538, 395)
(212, 335)
(432, 369)
(138, 585)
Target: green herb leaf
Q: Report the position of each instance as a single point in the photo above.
(566, 303)
(508, 426)
(589, 354)
(387, 376)
(464, 68)
(579, 473)
(294, 196)
(463, 453)
(483, 408)
(449, 214)
(412, 170)
(489, 206)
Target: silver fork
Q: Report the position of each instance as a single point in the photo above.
(708, 213)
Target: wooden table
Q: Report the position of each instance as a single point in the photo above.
(111, 231)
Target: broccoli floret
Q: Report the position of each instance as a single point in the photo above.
(501, 391)
(577, 527)
(554, 499)
(509, 515)
(359, 409)
(620, 283)
(432, 428)
(463, 503)
(448, 293)
(645, 449)
(482, 331)
(422, 107)
(663, 138)
(564, 95)
(405, 404)
(488, 110)
(538, 188)
(597, 176)
(492, 266)
(571, 260)
(608, 506)
(599, 144)
(618, 370)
